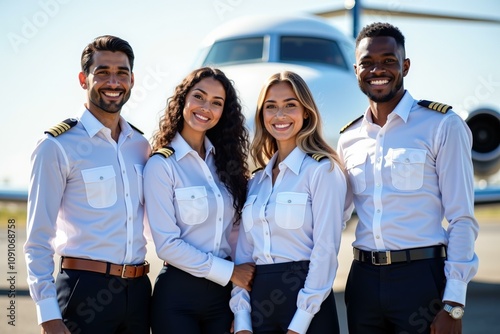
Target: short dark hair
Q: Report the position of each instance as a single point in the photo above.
(379, 29)
(105, 43)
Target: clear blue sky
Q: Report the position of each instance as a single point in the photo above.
(41, 43)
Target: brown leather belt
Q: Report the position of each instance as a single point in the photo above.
(120, 270)
(385, 258)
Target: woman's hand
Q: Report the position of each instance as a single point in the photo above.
(243, 275)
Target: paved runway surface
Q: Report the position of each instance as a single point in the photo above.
(483, 298)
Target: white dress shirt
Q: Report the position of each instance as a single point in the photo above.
(190, 212)
(299, 218)
(86, 201)
(408, 175)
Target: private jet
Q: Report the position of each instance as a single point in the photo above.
(248, 50)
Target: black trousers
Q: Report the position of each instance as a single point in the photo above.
(98, 303)
(398, 298)
(183, 303)
(274, 300)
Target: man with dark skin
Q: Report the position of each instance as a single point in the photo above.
(409, 165)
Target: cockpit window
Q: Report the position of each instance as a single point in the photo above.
(309, 49)
(235, 51)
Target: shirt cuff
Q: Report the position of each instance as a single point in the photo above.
(221, 271)
(47, 309)
(455, 291)
(242, 321)
(300, 321)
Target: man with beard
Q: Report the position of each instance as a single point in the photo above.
(86, 205)
(409, 165)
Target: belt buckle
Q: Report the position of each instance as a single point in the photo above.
(124, 268)
(387, 262)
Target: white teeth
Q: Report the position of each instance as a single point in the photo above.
(112, 94)
(203, 118)
(379, 82)
(281, 126)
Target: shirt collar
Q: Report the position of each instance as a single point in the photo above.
(404, 107)
(402, 110)
(92, 125)
(182, 148)
(293, 162)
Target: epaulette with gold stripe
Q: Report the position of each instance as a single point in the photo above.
(345, 127)
(136, 129)
(165, 151)
(441, 107)
(317, 156)
(62, 127)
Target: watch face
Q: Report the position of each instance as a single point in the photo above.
(457, 312)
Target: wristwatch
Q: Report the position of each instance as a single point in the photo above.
(456, 312)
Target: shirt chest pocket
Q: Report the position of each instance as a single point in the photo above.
(100, 186)
(356, 169)
(193, 204)
(290, 209)
(246, 215)
(407, 168)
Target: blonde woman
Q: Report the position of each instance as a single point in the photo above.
(292, 218)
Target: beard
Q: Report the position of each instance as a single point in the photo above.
(382, 98)
(111, 107)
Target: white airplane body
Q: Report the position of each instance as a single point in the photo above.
(248, 50)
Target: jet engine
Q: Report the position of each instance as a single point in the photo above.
(485, 127)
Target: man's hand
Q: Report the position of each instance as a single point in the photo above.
(55, 326)
(443, 323)
(243, 275)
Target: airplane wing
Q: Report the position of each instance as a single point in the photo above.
(13, 195)
(487, 195)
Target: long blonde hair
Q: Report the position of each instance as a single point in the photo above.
(310, 137)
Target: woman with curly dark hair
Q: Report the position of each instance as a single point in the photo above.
(194, 186)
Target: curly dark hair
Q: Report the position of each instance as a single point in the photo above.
(229, 136)
(380, 29)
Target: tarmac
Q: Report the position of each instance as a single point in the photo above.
(482, 312)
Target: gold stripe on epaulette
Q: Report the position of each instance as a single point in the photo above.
(56, 130)
(62, 127)
(441, 107)
(317, 156)
(165, 151)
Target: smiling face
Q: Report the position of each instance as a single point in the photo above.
(283, 114)
(108, 83)
(380, 68)
(203, 107)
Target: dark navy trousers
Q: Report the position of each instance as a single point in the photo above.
(99, 303)
(274, 300)
(399, 298)
(183, 303)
